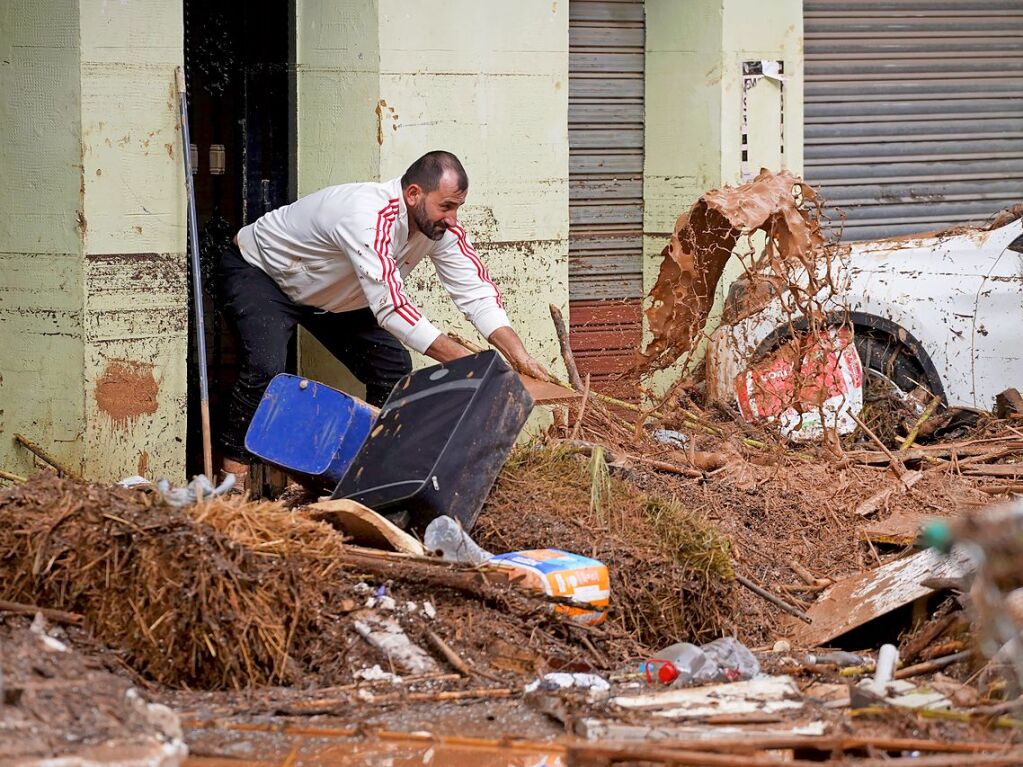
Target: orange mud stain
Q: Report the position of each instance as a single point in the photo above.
(126, 391)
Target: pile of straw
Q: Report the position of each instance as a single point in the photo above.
(236, 595)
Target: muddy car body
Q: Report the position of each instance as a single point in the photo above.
(941, 311)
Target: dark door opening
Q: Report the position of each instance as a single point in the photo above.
(238, 66)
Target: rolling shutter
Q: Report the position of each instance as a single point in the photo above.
(914, 111)
(605, 129)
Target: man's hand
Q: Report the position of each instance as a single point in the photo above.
(510, 345)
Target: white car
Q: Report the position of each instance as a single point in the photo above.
(941, 311)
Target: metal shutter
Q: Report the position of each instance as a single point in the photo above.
(914, 110)
(605, 132)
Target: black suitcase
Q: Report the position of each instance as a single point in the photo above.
(439, 442)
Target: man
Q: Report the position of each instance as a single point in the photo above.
(333, 262)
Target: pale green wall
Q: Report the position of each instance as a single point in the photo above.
(135, 238)
(337, 83)
(41, 295)
(92, 240)
(693, 105)
(487, 81)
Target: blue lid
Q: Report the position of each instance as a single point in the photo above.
(303, 425)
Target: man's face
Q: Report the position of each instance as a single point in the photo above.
(434, 212)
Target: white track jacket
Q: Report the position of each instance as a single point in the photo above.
(348, 247)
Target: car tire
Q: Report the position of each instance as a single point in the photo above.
(884, 356)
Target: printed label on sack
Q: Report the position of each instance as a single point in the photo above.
(562, 574)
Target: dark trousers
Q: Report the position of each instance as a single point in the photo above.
(266, 320)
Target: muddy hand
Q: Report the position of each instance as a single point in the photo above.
(533, 369)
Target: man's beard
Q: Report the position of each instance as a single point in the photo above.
(433, 231)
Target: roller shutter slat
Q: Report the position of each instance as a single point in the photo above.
(606, 136)
(914, 110)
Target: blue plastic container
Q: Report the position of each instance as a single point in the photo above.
(308, 429)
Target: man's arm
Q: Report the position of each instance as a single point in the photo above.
(507, 341)
(510, 345)
(466, 280)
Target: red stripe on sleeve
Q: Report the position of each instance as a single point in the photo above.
(481, 270)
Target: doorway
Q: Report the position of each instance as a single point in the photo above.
(238, 69)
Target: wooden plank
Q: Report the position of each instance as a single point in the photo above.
(899, 529)
(544, 393)
(1011, 470)
(364, 526)
(855, 601)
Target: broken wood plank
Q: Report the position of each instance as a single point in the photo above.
(764, 694)
(1008, 404)
(1011, 470)
(547, 393)
(876, 501)
(859, 599)
(900, 529)
(364, 526)
(944, 450)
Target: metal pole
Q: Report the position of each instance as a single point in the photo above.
(200, 320)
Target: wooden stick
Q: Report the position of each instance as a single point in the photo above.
(57, 616)
(1001, 489)
(896, 463)
(479, 694)
(582, 409)
(12, 477)
(932, 665)
(934, 630)
(928, 412)
(803, 573)
(45, 456)
(449, 654)
(566, 348)
(475, 349)
(902, 485)
(773, 599)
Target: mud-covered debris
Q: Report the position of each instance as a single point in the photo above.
(695, 258)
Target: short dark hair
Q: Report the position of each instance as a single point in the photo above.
(428, 170)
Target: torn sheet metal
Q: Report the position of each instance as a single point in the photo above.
(763, 694)
(809, 385)
(857, 600)
(702, 243)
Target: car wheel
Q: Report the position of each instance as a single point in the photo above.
(888, 360)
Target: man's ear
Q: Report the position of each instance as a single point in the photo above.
(413, 193)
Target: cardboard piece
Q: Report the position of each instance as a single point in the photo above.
(857, 600)
(364, 526)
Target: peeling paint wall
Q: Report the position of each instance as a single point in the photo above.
(693, 140)
(41, 296)
(93, 318)
(380, 83)
(136, 323)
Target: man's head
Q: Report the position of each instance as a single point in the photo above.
(434, 188)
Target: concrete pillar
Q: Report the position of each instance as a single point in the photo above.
(380, 82)
(94, 248)
(694, 105)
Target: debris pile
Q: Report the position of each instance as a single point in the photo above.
(780, 205)
(670, 570)
(229, 594)
(58, 700)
